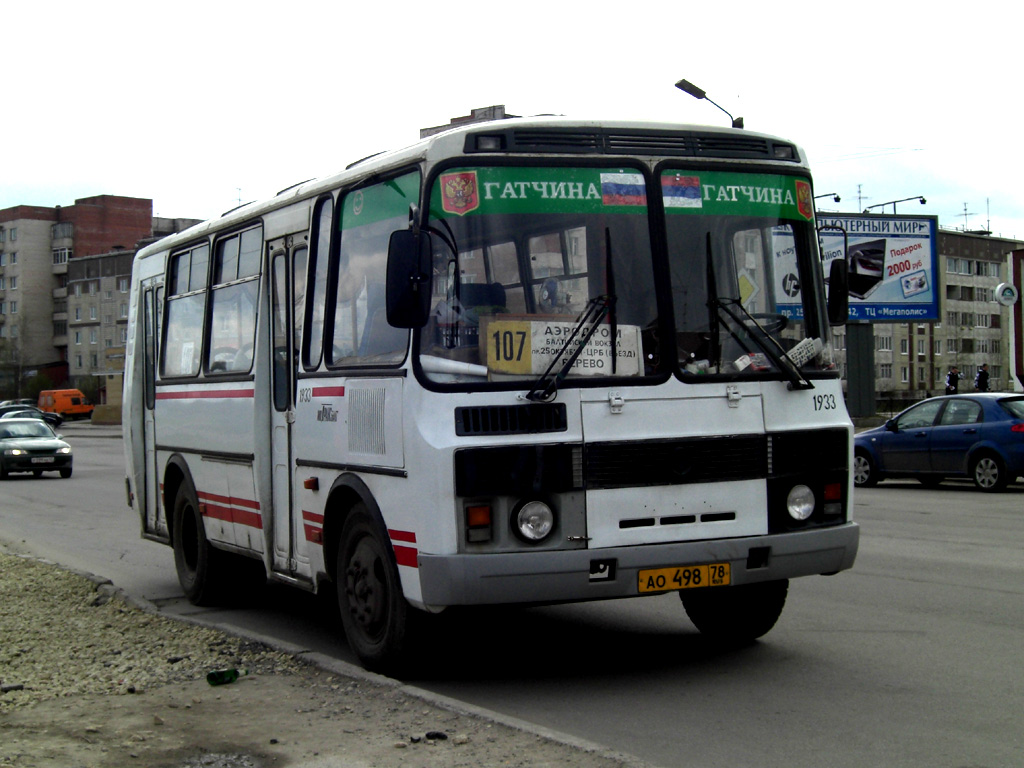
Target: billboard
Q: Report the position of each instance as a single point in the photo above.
(892, 262)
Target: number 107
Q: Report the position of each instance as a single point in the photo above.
(508, 345)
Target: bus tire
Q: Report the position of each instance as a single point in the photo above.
(195, 560)
(374, 612)
(736, 615)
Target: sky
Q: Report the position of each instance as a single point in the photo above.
(202, 105)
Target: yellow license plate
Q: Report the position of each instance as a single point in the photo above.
(685, 577)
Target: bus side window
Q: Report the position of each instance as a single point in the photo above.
(319, 258)
(299, 259)
(233, 302)
(186, 306)
(360, 333)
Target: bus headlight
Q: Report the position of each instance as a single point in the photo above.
(800, 502)
(533, 521)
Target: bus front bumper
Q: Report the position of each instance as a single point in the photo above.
(603, 574)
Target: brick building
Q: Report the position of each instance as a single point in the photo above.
(48, 256)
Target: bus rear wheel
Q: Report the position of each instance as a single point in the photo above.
(197, 563)
(374, 612)
(736, 615)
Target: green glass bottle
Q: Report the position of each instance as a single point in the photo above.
(223, 676)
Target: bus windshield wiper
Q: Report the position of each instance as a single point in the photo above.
(718, 306)
(767, 343)
(595, 311)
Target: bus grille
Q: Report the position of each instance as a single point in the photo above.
(510, 419)
(674, 462)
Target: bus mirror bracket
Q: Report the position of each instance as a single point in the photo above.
(838, 293)
(408, 278)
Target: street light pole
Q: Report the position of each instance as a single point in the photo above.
(893, 203)
(698, 93)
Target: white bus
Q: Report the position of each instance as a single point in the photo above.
(527, 361)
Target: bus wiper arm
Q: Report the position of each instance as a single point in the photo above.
(595, 311)
(767, 343)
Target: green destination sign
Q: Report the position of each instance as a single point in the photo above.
(511, 190)
(737, 194)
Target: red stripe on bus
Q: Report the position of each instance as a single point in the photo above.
(205, 394)
(230, 500)
(407, 536)
(232, 515)
(312, 517)
(328, 391)
(407, 556)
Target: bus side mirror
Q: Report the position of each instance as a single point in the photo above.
(838, 293)
(408, 278)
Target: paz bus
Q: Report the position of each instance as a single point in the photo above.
(529, 361)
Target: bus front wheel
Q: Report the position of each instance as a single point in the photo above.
(373, 610)
(736, 615)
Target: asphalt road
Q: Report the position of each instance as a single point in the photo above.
(910, 659)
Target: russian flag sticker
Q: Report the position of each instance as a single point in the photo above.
(623, 189)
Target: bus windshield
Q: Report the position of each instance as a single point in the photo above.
(537, 269)
(523, 256)
(740, 248)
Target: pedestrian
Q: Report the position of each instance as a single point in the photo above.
(981, 378)
(953, 381)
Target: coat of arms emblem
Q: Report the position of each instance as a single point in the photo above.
(804, 202)
(459, 192)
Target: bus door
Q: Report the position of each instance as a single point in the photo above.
(288, 274)
(156, 519)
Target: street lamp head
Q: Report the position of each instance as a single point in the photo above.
(687, 87)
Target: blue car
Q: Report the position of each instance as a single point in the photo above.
(979, 435)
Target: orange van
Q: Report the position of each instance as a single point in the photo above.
(69, 403)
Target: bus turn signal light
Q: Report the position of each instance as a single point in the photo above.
(478, 523)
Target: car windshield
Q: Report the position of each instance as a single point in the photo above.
(535, 271)
(25, 429)
(741, 248)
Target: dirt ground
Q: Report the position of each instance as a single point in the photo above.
(264, 721)
(87, 679)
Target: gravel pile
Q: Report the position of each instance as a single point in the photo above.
(62, 635)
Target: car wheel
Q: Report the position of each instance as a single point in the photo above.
(3, 471)
(374, 612)
(988, 473)
(864, 474)
(197, 563)
(736, 615)
(65, 472)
